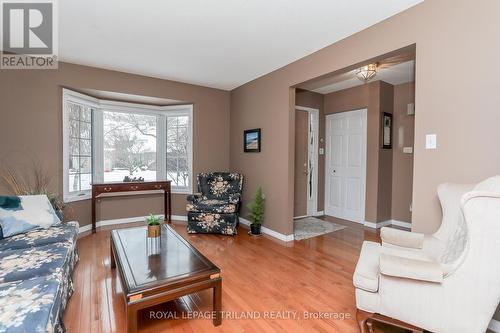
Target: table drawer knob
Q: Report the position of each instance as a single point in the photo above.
(107, 189)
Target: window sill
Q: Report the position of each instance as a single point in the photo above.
(75, 198)
(182, 191)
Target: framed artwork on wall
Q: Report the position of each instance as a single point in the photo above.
(251, 140)
(386, 130)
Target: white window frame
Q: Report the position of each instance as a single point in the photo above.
(101, 106)
(77, 98)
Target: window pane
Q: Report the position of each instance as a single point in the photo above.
(86, 114)
(129, 146)
(73, 128)
(85, 130)
(74, 147)
(183, 120)
(171, 164)
(85, 147)
(79, 147)
(182, 133)
(74, 183)
(74, 111)
(85, 181)
(74, 166)
(85, 164)
(177, 150)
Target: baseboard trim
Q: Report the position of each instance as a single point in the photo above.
(494, 326)
(299, 217)
(319, 213)
(401, 224)
(267, 231)
(126, 220)
(377, 225)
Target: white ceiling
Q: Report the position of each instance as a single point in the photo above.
(222, 43)
(397, 74)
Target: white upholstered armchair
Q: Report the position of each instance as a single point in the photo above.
(445, 282)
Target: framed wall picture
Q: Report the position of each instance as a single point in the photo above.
(386, 130)
(251, 141)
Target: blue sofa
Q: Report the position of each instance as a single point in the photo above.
(35, 278)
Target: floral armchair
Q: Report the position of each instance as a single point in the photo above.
(215, 209)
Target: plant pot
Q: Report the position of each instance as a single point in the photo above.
(154, 230)
(255, 229)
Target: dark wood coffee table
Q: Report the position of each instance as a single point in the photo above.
(154, 271)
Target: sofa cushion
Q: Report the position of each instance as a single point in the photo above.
(22, 264)
(32, 305)
(219, 185)
(64, 232)
(212, 223)
(211, 205)
(366, 274)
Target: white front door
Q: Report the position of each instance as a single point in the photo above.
(345, 166)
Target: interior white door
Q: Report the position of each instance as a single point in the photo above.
(345, 167)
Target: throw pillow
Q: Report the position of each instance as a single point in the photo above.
(34, 211)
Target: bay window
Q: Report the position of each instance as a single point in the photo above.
(109, 141)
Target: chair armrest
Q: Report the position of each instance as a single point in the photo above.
(235, 198)
(402, 238)
(195, 197)
(410, 268)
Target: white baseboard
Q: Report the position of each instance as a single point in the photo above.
(244, 222)
(378, 225)
(126, 220)
(319, 213)
(299, 217)
(267, 231)
(494, 326)
(401, 224)
(182, 218)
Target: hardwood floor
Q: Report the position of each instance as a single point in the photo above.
(260, 275)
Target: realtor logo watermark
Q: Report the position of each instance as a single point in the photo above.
(29, 34)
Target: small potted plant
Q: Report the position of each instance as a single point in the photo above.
(154, 225)
(256, 208)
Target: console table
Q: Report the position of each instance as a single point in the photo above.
(132, 188)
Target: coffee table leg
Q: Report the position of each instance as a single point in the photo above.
(131, 319)
(217, 320)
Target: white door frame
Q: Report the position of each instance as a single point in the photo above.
(312, 161)
(363, 171)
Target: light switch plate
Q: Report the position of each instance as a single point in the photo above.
(431, 141)
(408, 150)
(322, 151)
(410, 109)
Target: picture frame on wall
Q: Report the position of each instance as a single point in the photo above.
(252, 140)
(386, 130)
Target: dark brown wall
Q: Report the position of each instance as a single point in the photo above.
(314, 100)
(402, 164)
(31, 127)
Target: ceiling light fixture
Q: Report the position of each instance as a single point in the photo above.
(366, 73)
